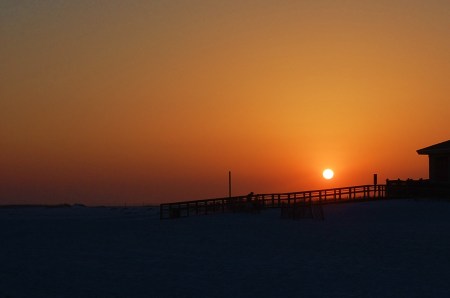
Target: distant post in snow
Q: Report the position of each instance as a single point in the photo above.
(229, 184)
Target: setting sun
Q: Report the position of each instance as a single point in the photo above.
(328, 174)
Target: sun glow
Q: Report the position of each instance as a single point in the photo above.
(328, 174)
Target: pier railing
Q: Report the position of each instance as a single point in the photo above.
(422, 188)
(256, 202)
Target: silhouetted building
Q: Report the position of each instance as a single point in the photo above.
(439, 165)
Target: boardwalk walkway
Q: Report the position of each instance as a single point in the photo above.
(256, 202)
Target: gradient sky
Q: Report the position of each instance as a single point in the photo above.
(142, 102)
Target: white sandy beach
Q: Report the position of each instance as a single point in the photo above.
(397, 248)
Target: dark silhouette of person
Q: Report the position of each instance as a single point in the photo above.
(250, 197)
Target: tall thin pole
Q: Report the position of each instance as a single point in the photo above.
(375, 182)
(229, 184)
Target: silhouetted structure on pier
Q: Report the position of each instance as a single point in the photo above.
(438, 160)
(438, 184)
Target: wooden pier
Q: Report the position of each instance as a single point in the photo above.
(257, 202)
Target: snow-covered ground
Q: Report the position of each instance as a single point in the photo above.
(374, 249)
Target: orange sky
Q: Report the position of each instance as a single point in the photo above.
(142, 102)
